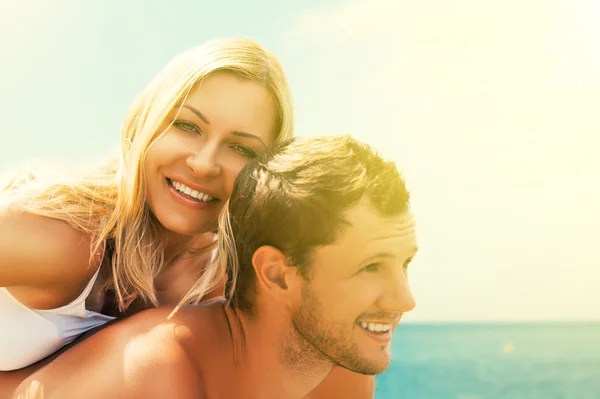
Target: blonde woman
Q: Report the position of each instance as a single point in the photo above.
(137, 224)
(317, 237)
(80, 247)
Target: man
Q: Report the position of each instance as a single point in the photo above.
(317, 238)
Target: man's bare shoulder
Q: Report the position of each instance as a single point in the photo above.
(155, 365)
(163, 328)
(138, 357)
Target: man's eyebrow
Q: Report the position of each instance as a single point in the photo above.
(384, 255)
(235, 133)
(379, 255)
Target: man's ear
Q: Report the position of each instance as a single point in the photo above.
(272, 272)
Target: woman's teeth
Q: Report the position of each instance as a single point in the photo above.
(375, 327)
(182, 188)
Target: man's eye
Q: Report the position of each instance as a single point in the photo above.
(373, 267)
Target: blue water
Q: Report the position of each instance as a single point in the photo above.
(475, 361)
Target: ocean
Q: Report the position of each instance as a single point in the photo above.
(493, 361)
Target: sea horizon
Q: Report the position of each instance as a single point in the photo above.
(493, 360)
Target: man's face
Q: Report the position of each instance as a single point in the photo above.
(357, 290)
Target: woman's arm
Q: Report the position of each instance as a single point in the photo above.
(44, 262)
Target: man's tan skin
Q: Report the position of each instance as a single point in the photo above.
(237, 357)
(332, 297)
(53, 270)
(340, 382)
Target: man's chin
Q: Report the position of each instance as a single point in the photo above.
(367, 365)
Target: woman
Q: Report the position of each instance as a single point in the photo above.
(138, 228)
(132, 225)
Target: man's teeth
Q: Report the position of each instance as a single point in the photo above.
(182, 188)
(375, 327)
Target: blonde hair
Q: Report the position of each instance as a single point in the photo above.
(109, 202)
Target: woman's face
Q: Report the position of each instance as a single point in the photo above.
(190, 170)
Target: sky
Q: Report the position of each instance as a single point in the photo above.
(491, 109)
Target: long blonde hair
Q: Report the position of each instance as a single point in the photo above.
(109, 202)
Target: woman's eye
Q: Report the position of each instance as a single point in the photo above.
(186, 126)
(245, 151)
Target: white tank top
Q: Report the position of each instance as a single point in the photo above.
(29, 335)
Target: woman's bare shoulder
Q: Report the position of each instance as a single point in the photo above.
(40, 251)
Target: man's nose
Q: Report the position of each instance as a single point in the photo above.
(397, 295)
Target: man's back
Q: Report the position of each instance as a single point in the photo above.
(190, 356)
(140, 357)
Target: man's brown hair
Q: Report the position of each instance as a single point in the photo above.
(294, 198)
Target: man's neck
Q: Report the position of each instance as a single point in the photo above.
(270, 360)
